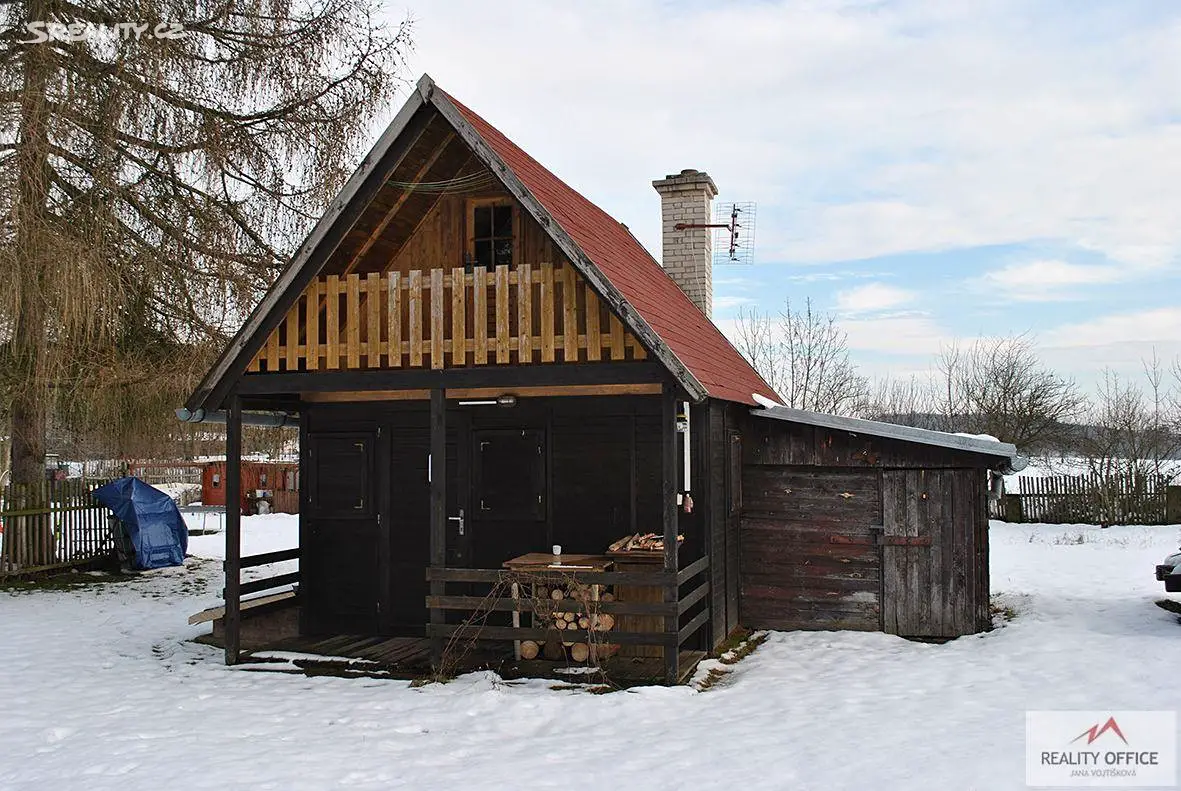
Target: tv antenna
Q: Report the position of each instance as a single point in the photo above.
(734, 232)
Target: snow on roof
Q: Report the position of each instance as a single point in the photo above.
(874, 428)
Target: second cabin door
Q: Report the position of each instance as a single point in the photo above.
(340, 536)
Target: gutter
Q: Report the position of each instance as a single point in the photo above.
(269, 419)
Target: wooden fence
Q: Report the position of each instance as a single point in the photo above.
(1092, 499)
(162, 472)
(51, 524)
(437, 318)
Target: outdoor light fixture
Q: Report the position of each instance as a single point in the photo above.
(505, 400)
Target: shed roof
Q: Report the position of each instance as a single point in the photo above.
(673, 329)
(1003, 451)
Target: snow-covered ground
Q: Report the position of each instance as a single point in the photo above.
(100, 689)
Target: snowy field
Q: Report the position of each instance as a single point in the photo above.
(100, 689)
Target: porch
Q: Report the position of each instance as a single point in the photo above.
(411, 510)
(408, 658)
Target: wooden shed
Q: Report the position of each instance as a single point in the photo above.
(485, 364)
(277, 481)
(855, 524)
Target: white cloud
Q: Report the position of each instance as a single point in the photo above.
(724, 302)
(1144, 328)
(872, 298)
(896, 335)
(884, 128)
(1049, 280)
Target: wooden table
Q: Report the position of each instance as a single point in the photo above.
(545, 562)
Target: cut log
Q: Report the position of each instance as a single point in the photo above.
(620, 544)
(559, 623)
(556, 595)
(604, 622)
(607, 597)
(569, 617)
(584, 622)
(529, 649)
(579, 652)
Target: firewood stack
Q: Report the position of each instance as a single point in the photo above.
(641, 542)
(578, 633)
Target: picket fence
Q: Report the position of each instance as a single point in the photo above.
(51, 524)
(1143, 499)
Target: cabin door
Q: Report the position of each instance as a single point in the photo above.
(340, 536)
(409, 509)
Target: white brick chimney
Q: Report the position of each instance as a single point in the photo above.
(686, 198)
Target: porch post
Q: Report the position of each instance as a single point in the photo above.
(668, 467)
(438, 543)
(233, 562)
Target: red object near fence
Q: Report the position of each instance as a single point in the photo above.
(280, 479)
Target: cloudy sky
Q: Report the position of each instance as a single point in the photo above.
(924, 170)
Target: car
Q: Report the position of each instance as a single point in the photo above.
(1169, 573)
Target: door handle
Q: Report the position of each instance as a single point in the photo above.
(457, 519)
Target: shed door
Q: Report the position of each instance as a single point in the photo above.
(928, 552)
(339, 536)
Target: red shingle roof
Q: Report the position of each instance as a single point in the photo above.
(688, 332)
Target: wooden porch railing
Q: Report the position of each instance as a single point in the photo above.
(674, 634)
(267, 583)
(447, 318)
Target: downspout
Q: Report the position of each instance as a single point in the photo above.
(269, 419)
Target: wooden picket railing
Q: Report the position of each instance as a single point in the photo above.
(51, 523)
(447, 318)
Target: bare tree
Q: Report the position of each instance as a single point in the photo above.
(1133, 429)
(152, 182)
(1000, 387)
(906, 402)
(804, 356)
(1131, 438)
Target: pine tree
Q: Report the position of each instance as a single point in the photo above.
(152, 180)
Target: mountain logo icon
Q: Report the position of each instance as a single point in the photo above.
(1095, 731)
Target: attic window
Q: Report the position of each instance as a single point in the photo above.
(492, 235)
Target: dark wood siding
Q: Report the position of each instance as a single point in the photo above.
(808, 557)
(770, 441)
(592, 473)
(602, 482)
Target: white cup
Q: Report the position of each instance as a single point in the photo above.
(557, 549)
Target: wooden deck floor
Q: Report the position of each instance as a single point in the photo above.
(409, 658)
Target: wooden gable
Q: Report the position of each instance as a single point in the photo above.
(402, 292)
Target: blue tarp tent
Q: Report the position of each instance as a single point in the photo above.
(153, 523)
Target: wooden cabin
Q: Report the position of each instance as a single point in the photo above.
(486, 365)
